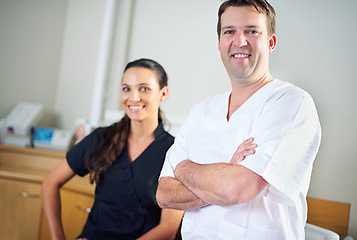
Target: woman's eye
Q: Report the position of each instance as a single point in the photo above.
(144, 89)
(125, 89)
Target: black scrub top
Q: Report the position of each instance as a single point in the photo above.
(125, 205)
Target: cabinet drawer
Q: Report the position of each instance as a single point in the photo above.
(75, 209)
(20, 208)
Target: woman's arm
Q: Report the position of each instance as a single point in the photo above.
(167, 229)
(51, 201)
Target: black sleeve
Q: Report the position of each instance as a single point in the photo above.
(77, 155)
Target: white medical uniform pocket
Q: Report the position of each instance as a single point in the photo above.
(241, 134)
(230, 231)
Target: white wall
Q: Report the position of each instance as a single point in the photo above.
(316, 51)
(78, 64)
(30, 48)
(181, 35)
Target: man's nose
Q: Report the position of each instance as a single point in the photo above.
(240, 40)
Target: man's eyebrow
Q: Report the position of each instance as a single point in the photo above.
(233, 27)
(227, 27)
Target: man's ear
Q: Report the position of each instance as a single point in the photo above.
(219, 41)
(272, 43)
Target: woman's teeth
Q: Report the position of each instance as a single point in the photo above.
(135, 107)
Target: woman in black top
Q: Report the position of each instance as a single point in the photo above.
(125, 161)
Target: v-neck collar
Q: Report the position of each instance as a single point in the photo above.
(252, 102)
(159, 131)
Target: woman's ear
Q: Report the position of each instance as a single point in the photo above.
(164, 92)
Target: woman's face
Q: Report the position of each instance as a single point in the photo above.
(141, 94)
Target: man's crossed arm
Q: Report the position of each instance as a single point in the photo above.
(198, 185)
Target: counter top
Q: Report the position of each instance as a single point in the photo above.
(29, 164)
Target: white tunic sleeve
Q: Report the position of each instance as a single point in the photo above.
(288, 135)
(177, 153)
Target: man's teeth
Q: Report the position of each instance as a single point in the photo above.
(241, 55)
(135, 107)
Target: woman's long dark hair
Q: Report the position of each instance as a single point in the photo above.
(112, 139)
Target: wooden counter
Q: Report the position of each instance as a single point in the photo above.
(22, 171)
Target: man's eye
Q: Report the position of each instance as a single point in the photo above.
(125, 89)
(253, 31)
(228, 32)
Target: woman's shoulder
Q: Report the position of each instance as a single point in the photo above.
(162, 137)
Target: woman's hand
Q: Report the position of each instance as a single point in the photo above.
(246, 148)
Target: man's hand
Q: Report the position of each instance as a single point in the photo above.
(246, 148)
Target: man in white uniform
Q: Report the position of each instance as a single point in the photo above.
(263, 196)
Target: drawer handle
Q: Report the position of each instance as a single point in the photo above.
(29, 195)
(87, 210)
